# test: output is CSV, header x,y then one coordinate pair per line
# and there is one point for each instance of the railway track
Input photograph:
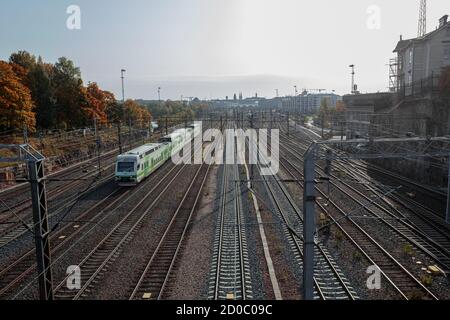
x,y
53,191
108,249
406,284
63,238
70,178
434,241
435,194
156,276
14,273
16,230
95,264
329,281
230,272
16,219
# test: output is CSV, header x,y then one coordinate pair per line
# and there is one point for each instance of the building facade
x,y
309,103
421,60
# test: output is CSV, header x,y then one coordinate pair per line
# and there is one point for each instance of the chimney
x,y
401,37
443,21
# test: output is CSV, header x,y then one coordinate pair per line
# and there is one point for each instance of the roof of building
x,y
403,44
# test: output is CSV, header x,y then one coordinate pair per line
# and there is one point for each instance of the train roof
x,y
142,149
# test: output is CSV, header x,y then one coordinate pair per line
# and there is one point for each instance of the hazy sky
x,y
213,48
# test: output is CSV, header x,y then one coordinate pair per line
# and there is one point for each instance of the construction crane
x,y
422,28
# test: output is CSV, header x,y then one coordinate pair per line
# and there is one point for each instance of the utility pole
x,y
271,119
447,215
287,117
309,198
353,78
159,96
323,124
119,136
167,129
130,132
123,109
123,84
41,230
97,141
251,164
25,134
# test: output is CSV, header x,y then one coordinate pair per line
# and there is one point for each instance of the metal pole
x,y
309,199
119,136
251,164
447,215
159,96
130,132
25,134
97,140
287,123
353,78
123,86
323,124
167,129
41,229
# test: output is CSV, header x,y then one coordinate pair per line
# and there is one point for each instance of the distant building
x,y
248,103
309,103
422,59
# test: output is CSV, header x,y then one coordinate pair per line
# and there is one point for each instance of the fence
x,y
421,88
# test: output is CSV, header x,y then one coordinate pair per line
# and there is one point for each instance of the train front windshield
x,y
125,167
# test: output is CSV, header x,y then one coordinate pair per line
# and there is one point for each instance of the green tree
x,y
71,98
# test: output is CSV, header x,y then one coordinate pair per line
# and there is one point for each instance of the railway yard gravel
x,y
190,280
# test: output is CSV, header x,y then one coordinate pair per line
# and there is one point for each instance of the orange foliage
x,y
98,102
137,113
340,106
16,105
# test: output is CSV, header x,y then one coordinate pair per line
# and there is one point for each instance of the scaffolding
x,y
393,75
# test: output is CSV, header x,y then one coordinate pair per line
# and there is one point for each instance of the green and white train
x,y
134,166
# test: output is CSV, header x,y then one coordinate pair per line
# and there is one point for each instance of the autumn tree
x,y
340,106
24,59
99,102
138,114
37,76
16,105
